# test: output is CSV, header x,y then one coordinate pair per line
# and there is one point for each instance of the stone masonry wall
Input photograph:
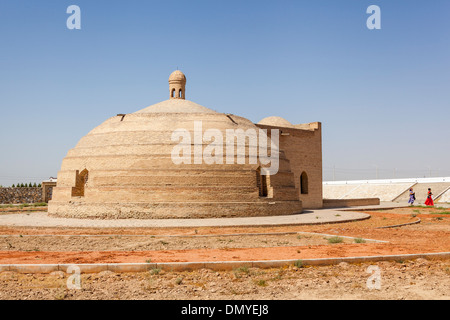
x,y
20,195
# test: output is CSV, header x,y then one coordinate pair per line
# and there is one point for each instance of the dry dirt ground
x,y
146,243
419,279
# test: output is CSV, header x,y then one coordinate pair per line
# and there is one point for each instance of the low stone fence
x,y
20,195
338,203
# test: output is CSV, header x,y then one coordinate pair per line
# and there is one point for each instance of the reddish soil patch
x,y
199,255
431,235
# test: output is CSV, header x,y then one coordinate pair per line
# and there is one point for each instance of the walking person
x,y
429,201
412,196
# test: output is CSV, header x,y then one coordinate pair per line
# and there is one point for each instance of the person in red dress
x,y
429,201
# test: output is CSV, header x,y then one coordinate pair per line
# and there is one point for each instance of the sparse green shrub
x,y
360,240
155,271
40,204
261,283
238,271
243,269
335,239
298,264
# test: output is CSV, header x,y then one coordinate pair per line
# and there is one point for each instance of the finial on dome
x,y
177,85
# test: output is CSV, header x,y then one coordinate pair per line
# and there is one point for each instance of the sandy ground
x,y
417,279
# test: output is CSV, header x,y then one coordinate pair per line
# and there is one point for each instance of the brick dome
x,y
124,169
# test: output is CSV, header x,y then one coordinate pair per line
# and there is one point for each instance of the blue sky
x,y
382,95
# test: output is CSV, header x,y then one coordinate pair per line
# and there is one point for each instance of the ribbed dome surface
x,y
176,106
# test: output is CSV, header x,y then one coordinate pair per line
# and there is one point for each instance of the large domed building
x,y
125,167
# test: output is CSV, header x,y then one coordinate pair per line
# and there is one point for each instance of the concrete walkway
x,y
321,216
382,206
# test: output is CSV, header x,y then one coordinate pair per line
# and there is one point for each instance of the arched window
x,y
180,94
173,93
304,183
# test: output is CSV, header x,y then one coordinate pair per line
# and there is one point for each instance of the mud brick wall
x,y
20,195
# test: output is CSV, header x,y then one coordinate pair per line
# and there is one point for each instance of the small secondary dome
x,y
177,75
276,122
